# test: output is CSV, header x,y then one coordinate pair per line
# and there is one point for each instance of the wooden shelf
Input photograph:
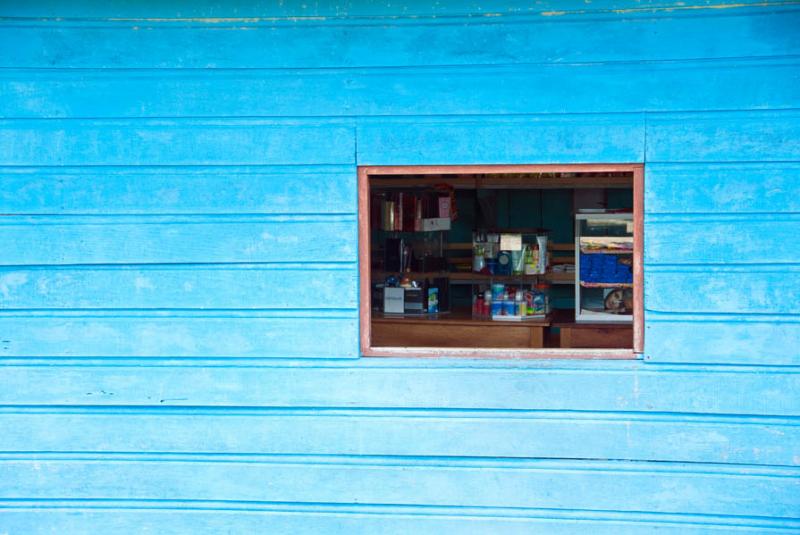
x,y
467,246
498,278
455,318
458,246
606,251
561,277
504,181
607,284
456,330
468,276
412,274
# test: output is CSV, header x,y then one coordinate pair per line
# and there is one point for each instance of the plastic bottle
x,y
544,289
541,267
531,259
508,304
496,305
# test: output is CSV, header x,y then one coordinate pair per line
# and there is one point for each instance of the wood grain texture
x,y
241,286
402,334
744,136
442,90
176,517
716,239
663,488
477,433
564,139
408,383
215,334
209,12
179,241
751,289
735,338
176,240
761,187
368,43
596,337
177,190
90,142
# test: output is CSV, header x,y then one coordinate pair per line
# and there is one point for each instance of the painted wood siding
x,y
178,278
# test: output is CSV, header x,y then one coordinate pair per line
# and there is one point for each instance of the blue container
x,y
497,307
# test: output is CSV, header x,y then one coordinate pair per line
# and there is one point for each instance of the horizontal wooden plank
x,y
121,335
615,486
560,139
720,239
755,340
180,239
460,180
752,136
564,435
366,43
93,142
210,12
177,517
171,190
733,290
411,383
718,188
443,90
276,286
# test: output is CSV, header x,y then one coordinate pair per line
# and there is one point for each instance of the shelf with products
x,y
467,277
551,277
499,181
378,275
409,259
606,251
482,282
604,266
606,284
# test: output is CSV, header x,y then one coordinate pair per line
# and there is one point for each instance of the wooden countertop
x,y
566,318
454,318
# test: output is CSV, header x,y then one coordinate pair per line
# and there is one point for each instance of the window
x,y
516,261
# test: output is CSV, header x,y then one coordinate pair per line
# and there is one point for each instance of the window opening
x,y
517,261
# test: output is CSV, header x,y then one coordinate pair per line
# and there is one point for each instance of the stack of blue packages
x,y
603,267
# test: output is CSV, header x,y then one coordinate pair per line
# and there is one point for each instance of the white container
x,y
541,266
435,223
394,300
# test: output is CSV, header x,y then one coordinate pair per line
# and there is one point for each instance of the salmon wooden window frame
x,y
364,255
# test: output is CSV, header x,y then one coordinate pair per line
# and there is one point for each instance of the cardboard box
x,y
414,301
393,300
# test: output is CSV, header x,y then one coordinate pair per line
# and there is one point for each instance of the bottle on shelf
x,y
543,289
521,306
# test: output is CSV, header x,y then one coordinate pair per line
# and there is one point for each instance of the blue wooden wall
x,y
178,280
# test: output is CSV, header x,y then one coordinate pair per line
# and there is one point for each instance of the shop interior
x,y
525,260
